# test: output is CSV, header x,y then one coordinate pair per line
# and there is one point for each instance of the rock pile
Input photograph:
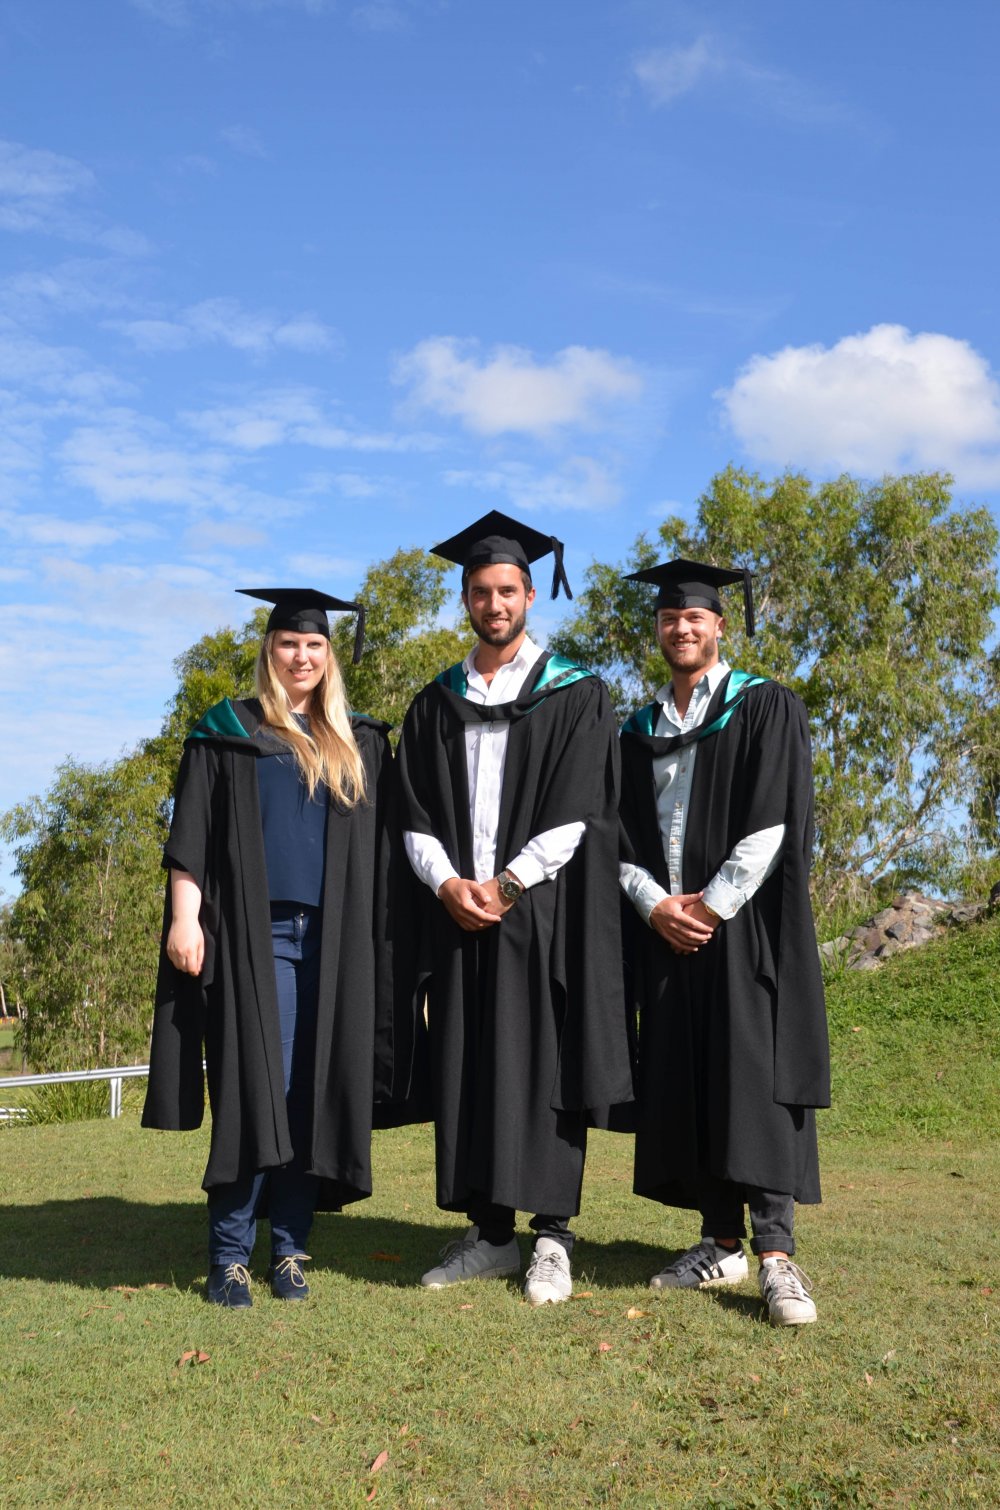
x,y
912,919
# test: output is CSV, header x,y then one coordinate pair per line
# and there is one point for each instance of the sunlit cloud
x,y
511,390
885,400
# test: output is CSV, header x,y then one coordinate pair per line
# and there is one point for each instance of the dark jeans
x,y
772,1214
496,1225
291,1192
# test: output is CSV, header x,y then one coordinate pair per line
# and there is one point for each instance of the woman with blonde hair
x,y
276,951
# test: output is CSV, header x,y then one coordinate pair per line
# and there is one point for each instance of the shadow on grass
x,y
102,1241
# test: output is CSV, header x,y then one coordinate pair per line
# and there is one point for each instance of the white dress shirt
x,y
485,755
753,858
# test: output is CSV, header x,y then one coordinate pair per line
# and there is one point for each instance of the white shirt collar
x,y
704,687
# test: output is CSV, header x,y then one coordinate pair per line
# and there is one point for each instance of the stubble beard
x,y
498,638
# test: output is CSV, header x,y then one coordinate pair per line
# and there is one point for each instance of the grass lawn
x,y
620,1397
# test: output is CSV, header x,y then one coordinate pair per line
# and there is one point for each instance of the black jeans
x,y
496,1225
772,1214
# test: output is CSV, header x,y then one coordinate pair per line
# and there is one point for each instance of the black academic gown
x,y
733,1049
527,1028
366,1037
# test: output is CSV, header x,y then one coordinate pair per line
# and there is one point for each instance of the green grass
x,y
620,1397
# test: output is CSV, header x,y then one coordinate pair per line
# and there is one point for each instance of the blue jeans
x,y
291,1192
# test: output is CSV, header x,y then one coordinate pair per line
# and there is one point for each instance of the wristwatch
x,y
509,886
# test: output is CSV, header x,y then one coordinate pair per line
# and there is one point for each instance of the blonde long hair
x,y
329,752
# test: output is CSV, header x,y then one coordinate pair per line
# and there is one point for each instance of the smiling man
x,y
733,1057
509,768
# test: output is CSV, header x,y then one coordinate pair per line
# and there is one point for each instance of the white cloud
x,y
883,400
295,416
68,534
580,483
668,72
32,175
245,140
331,568
38,192
226,322
511,391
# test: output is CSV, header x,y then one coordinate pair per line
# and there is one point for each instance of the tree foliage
x,y
874,603
83,932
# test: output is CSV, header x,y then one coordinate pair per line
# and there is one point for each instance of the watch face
x,y
509,889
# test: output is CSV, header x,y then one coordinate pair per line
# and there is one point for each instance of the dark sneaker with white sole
x,y
706,1266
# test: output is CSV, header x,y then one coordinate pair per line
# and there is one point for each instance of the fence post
x,y
115,1085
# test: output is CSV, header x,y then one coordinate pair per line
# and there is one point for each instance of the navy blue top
x,y
294,825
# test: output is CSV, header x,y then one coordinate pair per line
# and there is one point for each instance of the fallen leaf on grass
x,y
709,1402
128,1290
404,1429
755,1378
193,1355
317,1419
379,1462
868,1378
604,1347
633,1313
574,1424
986,1290
156,1284
165,1455
583,1295
71,1411
370,1497
592,1312
855,1030
386,1258
467,1307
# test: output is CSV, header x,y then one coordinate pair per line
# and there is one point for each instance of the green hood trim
x,y
557,672
644,721
221,721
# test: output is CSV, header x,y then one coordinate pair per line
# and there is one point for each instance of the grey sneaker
x,y
786,1290
471,1257
706,1266
548,1279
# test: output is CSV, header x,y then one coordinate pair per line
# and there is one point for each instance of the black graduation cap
x,y
497,538
693,584
302,610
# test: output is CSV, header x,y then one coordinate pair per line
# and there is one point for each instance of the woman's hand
x,y
185,940
186,945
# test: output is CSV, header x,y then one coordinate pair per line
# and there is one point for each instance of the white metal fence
x,y
71,1077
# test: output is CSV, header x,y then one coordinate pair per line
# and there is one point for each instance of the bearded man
x,y
717,808
509,772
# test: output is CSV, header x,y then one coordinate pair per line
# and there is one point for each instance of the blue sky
x,y
285,284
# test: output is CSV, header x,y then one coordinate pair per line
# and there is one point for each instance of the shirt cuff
x,y
722,898
649,895
439,871
526,868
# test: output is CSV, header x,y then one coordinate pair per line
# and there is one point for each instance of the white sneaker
x,y
786,1290
706,1266
548,1279
471,1257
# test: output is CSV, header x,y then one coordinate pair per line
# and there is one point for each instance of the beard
x,y
690,657
498,635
